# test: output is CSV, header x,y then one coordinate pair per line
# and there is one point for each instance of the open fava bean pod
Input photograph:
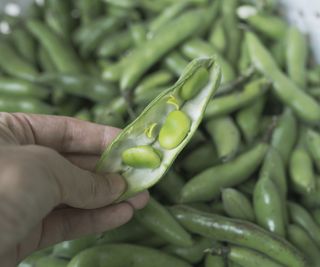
x,y
146,148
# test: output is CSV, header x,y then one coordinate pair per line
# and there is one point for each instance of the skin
x,y
48,192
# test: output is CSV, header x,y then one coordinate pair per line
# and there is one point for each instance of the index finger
x,y
64,134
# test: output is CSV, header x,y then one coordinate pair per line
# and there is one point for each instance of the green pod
x,y
124,255
170,186
171,12
89,10
198,48
216,208
161,113
302,104
233,264
89,36
58,17
278,51
141,157
60,51
78,85
218,37
207,184
247,187
226,137
154,80
115,44
193,254
271,26
312,141
110,114
174,130
233,32
203,206
25,44
146,55
133,231
83,114
298,237
313,75
214,261
34,257
45,62
24,104
193,86
50,261
12,64
225,105
267,203
315,92
316,215
153,241
300,216
22,88
237,205
199,159
244,58
142,100
297,56
175,62
301,171
312,199
112,72
138,32
250,258
157,219
249,119
68,249
240,233
284,136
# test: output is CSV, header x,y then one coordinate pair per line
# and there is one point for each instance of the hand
x,y
48,192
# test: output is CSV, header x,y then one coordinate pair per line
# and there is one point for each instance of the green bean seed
x,y
141,157
174,129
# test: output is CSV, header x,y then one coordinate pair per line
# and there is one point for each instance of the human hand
x,y
48,192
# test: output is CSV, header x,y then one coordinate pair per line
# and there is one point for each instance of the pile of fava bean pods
x,y
228,145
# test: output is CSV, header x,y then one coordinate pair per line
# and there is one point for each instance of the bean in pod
x,y
157,219
124,255
207,184
165,126
241,233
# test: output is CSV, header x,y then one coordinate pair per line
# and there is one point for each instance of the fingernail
x,y
117,184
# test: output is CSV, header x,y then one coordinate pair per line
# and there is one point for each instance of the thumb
x,y
81,188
